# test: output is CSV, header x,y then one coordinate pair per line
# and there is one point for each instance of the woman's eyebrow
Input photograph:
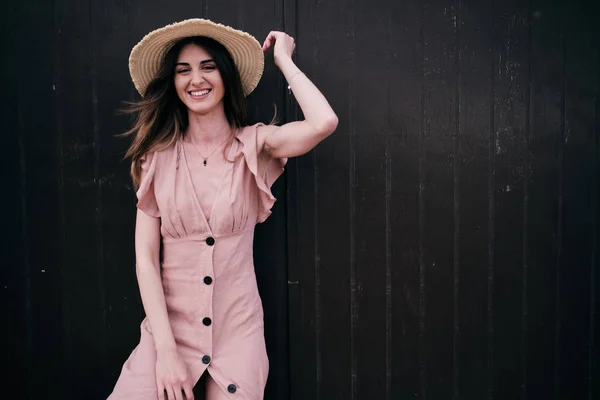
x,y
201,62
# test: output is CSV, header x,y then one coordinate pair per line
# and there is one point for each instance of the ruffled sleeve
x,y
145,193
265,169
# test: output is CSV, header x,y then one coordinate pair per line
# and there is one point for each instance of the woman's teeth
x,y
200,92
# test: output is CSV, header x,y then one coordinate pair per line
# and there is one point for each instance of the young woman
x,y
204,179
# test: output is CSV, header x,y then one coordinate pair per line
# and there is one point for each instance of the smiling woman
x,y
198,82
203,333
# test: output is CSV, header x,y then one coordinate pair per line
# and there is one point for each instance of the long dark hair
x,y
162,117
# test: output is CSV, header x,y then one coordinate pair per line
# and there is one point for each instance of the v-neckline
x,y
196,199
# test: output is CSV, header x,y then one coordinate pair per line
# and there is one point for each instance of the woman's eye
x,y
209,67
183,70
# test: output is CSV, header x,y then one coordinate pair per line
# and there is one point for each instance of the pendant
x,y
205,163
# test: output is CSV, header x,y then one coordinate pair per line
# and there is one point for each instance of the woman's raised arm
x,y
299,137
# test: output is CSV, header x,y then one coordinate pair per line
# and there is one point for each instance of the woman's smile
x,y
199,94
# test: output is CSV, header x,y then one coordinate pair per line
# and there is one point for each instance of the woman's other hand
x,y
172,377
282,43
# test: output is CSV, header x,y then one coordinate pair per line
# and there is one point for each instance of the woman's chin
x,y
204,109
201,109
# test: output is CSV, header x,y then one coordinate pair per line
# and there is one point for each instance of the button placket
x,y
208,272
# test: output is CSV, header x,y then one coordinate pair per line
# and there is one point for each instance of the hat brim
x,y
146,56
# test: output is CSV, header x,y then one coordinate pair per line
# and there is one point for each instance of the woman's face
x,y
198,82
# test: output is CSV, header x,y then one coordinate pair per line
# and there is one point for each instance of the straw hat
x,y
148,54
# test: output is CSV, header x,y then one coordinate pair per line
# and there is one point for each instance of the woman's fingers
x,y
178,391
167,392
272,37
161,392
282,44
269,41
188,391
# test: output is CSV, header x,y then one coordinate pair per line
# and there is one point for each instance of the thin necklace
x,y
205,159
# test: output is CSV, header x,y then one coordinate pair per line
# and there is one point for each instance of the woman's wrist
x,y
166,348
285,64
166,352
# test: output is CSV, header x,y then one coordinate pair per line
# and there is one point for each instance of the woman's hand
x,y
283,45
172,377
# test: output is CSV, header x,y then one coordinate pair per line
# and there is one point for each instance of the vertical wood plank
x,y
294,269
457,16
391,148
580,91
42,225
330,29
560,214
304,268
369,198
491,217
525,204
594,351
82,262
405,123
423,132
15,293
322,214
475,102
438,222
543,202
511,46
352,208
112,41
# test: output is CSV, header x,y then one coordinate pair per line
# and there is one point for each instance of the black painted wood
x,y
580,92
475,226
14,276
42,218
475,132
543,208
510,46
443,243
405,124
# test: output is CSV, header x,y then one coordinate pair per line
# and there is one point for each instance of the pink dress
x,y
207,271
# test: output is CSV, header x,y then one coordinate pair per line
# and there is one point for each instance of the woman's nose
x,y
197,77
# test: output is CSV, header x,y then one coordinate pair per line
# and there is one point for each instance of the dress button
x,y
231,388
210,240
207,321
207,280
206,359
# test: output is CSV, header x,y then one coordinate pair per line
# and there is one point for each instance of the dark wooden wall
x,y
445,240
442,244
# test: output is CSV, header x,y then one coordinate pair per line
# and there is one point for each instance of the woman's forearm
x,y
316,109
153,299
147,251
